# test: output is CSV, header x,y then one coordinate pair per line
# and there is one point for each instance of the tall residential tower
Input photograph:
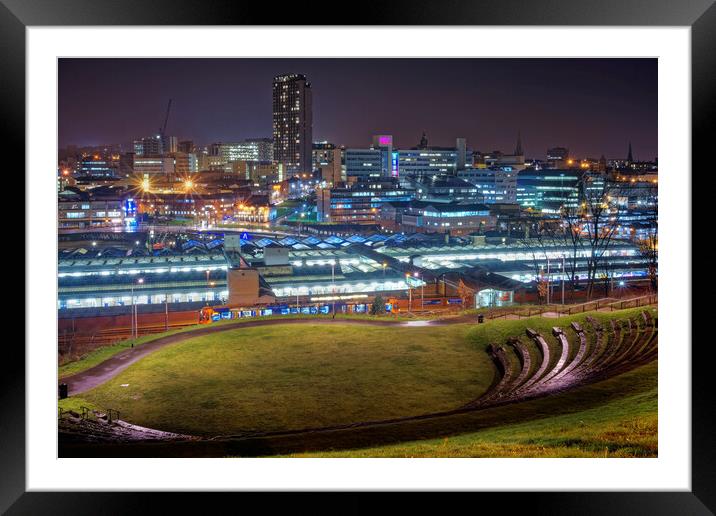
x,y
292,123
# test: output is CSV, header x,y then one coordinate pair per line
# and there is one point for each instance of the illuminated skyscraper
x,y
292,123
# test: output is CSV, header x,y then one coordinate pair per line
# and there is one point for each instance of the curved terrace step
x,y
545,359
566,373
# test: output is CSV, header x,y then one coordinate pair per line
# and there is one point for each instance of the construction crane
x,y
163,128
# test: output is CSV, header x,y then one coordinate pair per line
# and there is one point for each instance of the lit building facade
x,y
444,188
293,123
152,146
74,213
364,164
359,203
427,162
453,218
185,164
153,165
495,184
97,166
547,191
260,149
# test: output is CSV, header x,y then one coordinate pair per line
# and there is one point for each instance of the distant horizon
x,y
593,107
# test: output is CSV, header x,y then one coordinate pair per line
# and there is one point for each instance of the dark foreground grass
x,y
622,426
288,377
613,418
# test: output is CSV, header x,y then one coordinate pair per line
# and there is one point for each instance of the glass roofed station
x,y
199,269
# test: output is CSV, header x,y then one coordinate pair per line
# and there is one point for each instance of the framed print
x,y
407,250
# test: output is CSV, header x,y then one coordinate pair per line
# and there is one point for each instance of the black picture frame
x,y
700,15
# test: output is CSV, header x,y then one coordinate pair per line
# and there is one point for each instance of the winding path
x,y
97,375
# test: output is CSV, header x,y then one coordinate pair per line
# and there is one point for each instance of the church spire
x,y
423,142
518,149
630,158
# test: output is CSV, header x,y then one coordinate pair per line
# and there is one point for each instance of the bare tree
x,y
571,216
539,240
649,248
600,219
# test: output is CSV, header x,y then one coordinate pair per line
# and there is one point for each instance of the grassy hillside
x,y
288,377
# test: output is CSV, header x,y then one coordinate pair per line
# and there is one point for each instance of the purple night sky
x,y
591,106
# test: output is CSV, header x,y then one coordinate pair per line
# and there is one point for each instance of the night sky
x,y
591,106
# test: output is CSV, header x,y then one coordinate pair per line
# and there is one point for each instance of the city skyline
x,y
575,103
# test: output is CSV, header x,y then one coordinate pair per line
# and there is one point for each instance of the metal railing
x,y
112,335
598,304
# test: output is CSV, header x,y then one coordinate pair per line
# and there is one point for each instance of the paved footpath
x,y
97,375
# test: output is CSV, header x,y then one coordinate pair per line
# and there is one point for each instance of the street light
x,y
422,291
564,278
333,285
410,293
208,285
135,319
549,285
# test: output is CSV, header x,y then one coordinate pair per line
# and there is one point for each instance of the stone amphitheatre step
x,y
640,336
545,359
598,347
561,337
579,357
102,430
505,372
523,354
630,339
614,342
604,352
645,344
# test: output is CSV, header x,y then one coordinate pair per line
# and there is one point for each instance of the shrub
x,y
378,306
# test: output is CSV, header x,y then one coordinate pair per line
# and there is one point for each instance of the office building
x,y
98,166
358,203
148,147
209,162
384,143
426,162
170,144
187,147
84,210
364,164
494,184
461,147
258,149
327,159
547,191
454,218
444,188
185,164
153,165
557,157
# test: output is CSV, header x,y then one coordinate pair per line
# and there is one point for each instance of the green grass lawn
x,y
290,377
103,353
